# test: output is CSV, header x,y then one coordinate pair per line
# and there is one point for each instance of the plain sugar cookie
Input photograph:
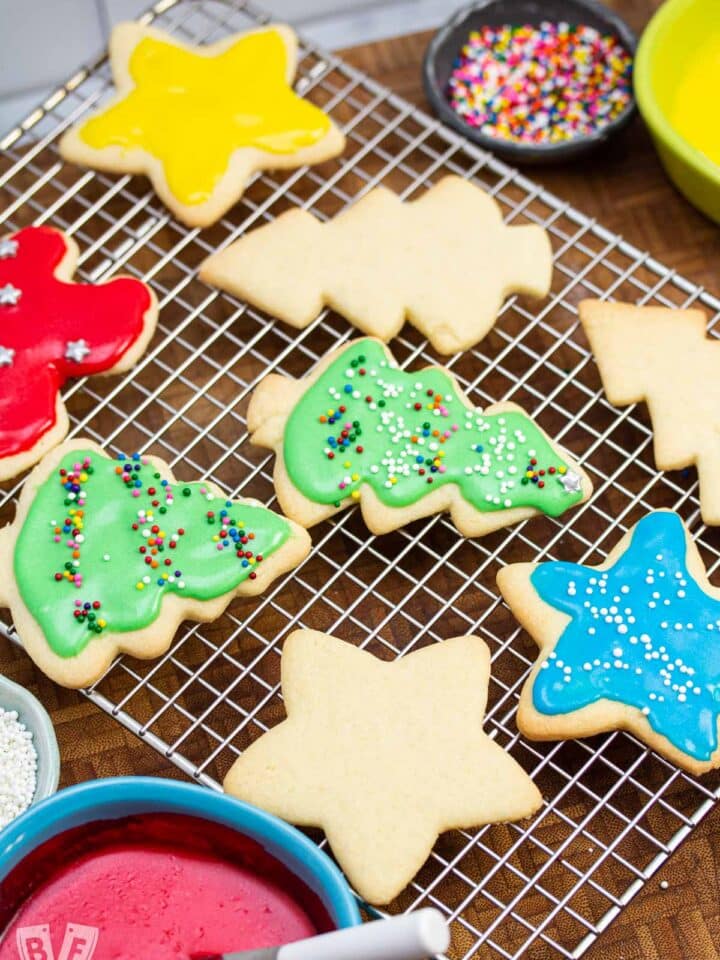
x,y
51,329
383,756
632,644
111,555
445,262
405,445
663,356
200,120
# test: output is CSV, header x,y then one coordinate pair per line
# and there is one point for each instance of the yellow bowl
x,y
667,48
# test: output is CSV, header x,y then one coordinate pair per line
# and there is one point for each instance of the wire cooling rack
x,y
614,810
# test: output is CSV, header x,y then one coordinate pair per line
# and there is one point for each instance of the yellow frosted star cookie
x,y
383,756
200,120
111,555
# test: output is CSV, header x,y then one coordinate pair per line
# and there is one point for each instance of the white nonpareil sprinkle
x,y
18,766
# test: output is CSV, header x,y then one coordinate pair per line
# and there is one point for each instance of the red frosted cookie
x,y
52,329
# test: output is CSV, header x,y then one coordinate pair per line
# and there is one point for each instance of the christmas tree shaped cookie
x,y
631,644
445,262
405,445
52,329
199,121
111,555
383,756
663,356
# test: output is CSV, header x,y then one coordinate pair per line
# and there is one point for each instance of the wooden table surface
x,y
677,915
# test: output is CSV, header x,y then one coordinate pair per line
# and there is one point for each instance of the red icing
x,y
49,313
157,886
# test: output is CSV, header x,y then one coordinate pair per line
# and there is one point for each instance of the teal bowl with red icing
x,y
269,877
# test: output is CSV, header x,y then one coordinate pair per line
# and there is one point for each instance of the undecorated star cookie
x,y
445,262
632,644
108,555
383,756
199,121
662,356
405,445
52,328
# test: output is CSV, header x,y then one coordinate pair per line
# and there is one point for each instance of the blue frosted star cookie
x,y
632,644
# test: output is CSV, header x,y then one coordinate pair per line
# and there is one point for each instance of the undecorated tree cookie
x,y
631,644
663,356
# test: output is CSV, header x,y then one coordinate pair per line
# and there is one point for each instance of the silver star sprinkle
x,y
571,482
76,350
8,248
7,355
9,295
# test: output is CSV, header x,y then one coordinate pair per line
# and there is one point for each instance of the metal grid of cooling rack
x,y
614,810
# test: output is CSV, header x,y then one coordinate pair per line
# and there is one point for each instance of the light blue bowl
x,y
35,717
127,796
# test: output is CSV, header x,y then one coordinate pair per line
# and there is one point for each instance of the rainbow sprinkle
x,y
141,478
542,84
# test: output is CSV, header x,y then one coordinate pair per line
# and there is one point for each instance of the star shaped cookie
x,y
200,120
383,756
631,644
663,356
445,262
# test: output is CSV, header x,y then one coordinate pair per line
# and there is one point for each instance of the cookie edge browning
x,y
149,642
12,466
267,419
545,625
244,161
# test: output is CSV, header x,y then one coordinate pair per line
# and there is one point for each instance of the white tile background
x,y
42,42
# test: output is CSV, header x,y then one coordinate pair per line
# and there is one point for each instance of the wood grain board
x,y
677,915
626,190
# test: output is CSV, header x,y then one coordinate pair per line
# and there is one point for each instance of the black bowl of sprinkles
x,y
534,81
